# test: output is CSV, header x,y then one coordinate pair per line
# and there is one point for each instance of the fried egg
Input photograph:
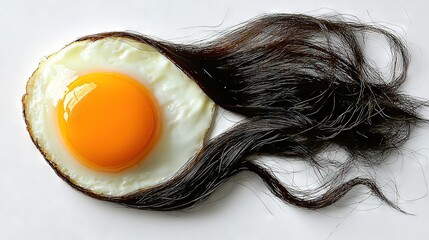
x,y
114,115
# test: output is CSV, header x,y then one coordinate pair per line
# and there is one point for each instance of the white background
x,y
36,204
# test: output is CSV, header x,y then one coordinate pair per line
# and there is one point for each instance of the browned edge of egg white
x,y
115,199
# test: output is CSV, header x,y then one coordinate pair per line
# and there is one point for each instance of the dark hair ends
x,y
303,85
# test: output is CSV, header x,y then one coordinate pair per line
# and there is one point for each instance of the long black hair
x,y
303,84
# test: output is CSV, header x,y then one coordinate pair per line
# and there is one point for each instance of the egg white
x,y
186,111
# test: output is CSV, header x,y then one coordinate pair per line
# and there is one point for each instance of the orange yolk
x,y
108,120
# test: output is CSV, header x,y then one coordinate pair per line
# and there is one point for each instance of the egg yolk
x,y
108,120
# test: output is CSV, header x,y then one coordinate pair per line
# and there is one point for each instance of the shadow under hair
x,y
303,84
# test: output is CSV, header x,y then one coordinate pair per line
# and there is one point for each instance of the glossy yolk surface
x,y
108,120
